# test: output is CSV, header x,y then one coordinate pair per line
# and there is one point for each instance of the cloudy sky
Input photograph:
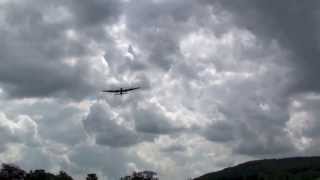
x,y
223,82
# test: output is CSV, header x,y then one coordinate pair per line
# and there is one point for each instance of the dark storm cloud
x,y
265,141
257,144
97,12
247,116
220,132
35,50
293,23
157,28
253,118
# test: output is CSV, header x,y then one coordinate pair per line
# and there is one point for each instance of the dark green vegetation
x,y
10,172
13,172
307,168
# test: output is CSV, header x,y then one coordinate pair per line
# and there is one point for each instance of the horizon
x,y
222,82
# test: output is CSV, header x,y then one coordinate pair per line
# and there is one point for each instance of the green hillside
x,y
299,168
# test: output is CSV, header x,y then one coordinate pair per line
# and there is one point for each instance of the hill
x,y
298,168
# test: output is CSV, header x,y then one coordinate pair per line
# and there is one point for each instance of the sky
x,y
222,82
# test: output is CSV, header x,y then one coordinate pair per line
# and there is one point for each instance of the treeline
x,y
274,169
262,176
13,172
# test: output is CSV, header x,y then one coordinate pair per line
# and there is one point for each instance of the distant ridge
x,y
296,168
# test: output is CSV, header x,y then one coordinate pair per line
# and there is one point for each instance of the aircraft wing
x,y
130,89
111,91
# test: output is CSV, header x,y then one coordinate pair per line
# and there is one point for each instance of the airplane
x,y
121,91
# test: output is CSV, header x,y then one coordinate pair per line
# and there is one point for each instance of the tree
x,y
63,176
92,177
11,172
40,174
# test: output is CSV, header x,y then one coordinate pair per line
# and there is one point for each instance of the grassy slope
x,y
288,167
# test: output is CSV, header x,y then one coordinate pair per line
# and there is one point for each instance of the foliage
x,y
282,169
13,172
92,177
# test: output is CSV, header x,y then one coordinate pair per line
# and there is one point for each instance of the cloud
x,y
20,130
41,58
254,123
110,163
292,24
97,12
220,132
303,124
154,122
159,34
104,126
221,82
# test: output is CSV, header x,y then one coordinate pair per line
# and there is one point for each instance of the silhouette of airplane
x,y
121,91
